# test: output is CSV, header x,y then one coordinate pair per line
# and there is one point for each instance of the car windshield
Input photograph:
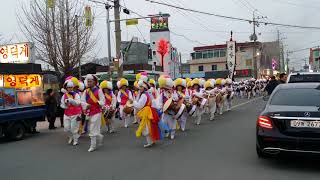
x,y
304,78
296,97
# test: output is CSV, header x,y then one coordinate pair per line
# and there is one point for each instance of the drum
x,y
181,110
128,108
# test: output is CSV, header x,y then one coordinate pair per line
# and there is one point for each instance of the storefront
x,y
20,89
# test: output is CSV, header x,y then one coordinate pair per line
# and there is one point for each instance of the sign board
x,y
243,73
22,81
130,22
231,57
160,23
16,53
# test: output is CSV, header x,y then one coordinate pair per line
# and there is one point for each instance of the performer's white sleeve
x,y
76,101
114,101
102,99
130,95
62,103
142,101
84,103
160,101
119,97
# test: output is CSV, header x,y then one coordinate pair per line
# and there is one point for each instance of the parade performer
x,y
84,124
197,98
153,89
70,102
110,105
221,97
183,96
92,102
211,96
230,93
135,97
124,96
148,126
166,85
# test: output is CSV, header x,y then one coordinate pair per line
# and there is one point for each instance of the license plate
x,y
305,124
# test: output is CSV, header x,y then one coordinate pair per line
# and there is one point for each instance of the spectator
x,y
52,105
273,83
283,78
60,111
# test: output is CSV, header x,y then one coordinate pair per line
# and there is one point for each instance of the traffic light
x,y
126,11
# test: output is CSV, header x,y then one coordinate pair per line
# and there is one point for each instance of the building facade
x,y
314,59
213,59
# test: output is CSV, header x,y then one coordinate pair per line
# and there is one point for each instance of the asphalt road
x,y
223,149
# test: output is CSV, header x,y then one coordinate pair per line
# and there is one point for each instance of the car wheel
x,y
17,132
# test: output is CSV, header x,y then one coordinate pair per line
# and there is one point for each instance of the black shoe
x,y
35,132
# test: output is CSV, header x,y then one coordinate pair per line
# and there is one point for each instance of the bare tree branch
x,y
54,32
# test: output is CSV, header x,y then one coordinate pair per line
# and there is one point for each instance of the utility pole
x,y
180,61
118,36
78,45
108,7
254,38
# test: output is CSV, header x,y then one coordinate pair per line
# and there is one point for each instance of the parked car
x,y
290,121
303,77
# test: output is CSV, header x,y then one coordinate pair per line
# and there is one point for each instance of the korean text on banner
x,y
15,53
22,81
231,57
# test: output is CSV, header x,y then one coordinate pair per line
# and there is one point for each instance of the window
x,y
222,53
210,54
205,55
249,62
214,67
296,97
154,53
200,68
198,55
216,53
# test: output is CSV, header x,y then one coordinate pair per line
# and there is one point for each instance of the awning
x,y
8,68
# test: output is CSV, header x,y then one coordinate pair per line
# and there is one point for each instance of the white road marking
x,y
238,105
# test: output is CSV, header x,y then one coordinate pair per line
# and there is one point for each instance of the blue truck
x,y
21,99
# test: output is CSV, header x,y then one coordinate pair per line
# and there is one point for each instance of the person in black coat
x,y
273,83
52,104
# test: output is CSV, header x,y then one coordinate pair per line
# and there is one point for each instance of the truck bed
x,y
22,113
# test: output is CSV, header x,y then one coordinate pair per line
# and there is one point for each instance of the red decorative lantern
x,y
163,47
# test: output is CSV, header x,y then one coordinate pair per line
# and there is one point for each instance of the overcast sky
x,y
201,29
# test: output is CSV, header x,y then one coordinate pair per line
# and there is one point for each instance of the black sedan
x,y
290,121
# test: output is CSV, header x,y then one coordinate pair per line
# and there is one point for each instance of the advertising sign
x,y
160,23
15,53
22,81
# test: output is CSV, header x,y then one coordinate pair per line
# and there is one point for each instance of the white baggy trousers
x,y
95,129
71,126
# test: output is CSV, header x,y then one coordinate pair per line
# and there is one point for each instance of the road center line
x,y
238,105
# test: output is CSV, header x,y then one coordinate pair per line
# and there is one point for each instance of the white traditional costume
x,y
110,105
70,102
123,97
92,102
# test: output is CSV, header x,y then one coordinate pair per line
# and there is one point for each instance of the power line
x,y
234,18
